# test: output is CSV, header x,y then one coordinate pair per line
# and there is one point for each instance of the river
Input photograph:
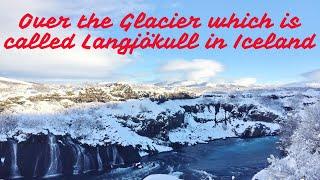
x,y
219,159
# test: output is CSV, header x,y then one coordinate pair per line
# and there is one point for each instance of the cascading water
x,y
14,169
86,161
117,159
36,168
46,156
55,168
2,160
82,162
76,151
99,160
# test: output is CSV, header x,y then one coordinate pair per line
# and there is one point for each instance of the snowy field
x,y
154,119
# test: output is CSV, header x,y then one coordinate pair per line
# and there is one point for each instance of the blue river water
x,y
220,159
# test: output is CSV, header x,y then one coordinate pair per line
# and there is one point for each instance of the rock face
x,y
224,111
160,126
258,130
44,156
219,113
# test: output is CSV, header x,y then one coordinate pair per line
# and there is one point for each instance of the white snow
x,y
100,123
14,81
161,177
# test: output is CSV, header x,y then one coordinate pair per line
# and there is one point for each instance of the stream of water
x,y
220,159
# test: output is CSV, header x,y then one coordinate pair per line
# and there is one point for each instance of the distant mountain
x,y
307,84
7,81
204,87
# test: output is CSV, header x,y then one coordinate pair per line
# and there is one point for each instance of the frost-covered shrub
x,y
307,135
288,127
303,146
92,95
4,105
46,97
161,98
10,102
7,124
123,91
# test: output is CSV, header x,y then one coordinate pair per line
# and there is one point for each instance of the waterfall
x,y
77,165
99,160
54,159
117,159
36,168
14,169
86,161
83,163
47,157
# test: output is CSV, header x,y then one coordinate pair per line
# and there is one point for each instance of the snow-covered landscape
x,y
108,125
159,90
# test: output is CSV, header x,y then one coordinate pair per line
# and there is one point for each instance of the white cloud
x,y
245,81
199,70
77,63
312,75
74,63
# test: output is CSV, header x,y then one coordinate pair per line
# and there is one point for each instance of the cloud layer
x,y
312,75
199,70
75,63
245,82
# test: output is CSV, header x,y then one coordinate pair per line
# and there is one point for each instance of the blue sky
x,y
266,66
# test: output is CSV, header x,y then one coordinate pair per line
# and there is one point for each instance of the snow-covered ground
x,y
161,177
100,123
4,81
118,121
149,118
